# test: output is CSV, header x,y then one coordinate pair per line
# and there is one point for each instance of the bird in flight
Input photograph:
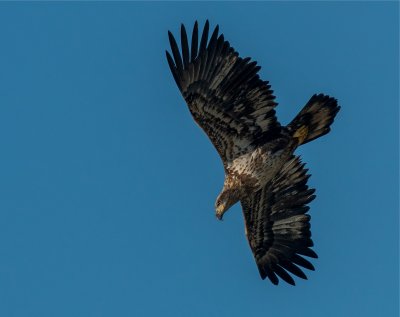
x,y
235,108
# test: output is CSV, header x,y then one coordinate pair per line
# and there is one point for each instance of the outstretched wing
x,y
224,93
277,226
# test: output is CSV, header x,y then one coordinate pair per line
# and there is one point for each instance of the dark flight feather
x,y
204,39
195,36
185,47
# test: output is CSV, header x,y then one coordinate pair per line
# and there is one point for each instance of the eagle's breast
x,y
257,168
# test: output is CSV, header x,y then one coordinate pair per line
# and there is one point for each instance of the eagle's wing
x,y
277,225
224,93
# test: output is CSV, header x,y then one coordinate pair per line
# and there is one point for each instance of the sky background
x,y
107,186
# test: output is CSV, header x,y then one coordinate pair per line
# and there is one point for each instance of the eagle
x,y
235,108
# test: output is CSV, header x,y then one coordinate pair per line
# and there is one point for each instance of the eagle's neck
x,y
231,193
234,186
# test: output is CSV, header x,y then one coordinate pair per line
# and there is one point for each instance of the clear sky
x,y
107,186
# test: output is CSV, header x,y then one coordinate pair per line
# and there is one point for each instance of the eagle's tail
x,y
315,119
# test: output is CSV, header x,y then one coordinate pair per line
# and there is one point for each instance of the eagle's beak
x,y
220,211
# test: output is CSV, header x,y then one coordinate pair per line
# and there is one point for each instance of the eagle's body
x,y
261,164
252,171
235,108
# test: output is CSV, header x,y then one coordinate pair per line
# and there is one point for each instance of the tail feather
x,y
315,119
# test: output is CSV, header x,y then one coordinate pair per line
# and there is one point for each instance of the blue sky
x,y
107,186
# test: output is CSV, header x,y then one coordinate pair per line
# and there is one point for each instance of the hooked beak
x,y
220,211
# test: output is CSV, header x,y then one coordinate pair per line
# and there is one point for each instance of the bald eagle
x,y
235,108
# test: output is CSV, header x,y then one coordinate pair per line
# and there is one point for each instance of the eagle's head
x,y
225,200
